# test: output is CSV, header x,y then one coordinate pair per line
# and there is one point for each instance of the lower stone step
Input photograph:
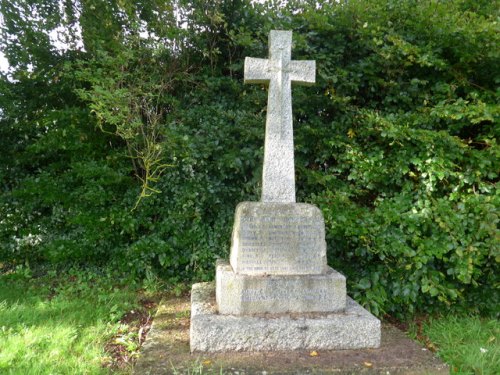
x,y
355,328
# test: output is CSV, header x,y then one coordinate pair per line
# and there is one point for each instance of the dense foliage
x,y
132,139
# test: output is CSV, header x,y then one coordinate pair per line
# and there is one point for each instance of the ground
x,y
167,351
95,321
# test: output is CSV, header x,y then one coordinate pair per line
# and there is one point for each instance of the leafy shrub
x,y
397,142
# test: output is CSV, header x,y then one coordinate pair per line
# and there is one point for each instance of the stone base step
x,y
245,294
355,328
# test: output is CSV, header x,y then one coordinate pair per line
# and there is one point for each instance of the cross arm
x,y
256,70
303,71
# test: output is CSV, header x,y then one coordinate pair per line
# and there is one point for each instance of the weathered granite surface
x,y
243,294
278,239
278,292
212,332
278,176
166,351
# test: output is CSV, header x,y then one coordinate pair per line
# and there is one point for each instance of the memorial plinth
x,y
277,292
278,239
278,301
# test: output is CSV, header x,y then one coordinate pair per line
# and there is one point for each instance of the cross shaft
x,y
278,176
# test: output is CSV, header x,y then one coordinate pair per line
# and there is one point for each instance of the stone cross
x,y
278,176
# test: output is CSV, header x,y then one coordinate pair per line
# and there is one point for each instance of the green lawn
x,y
469,344
63,322
60,323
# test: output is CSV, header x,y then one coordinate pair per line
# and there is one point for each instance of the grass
x,y
74,322
469,344
60,323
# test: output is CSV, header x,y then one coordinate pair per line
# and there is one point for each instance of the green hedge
x,y
137,150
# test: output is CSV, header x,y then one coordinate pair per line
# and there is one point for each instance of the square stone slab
x,y
211,332
248,294
278,239
166,351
